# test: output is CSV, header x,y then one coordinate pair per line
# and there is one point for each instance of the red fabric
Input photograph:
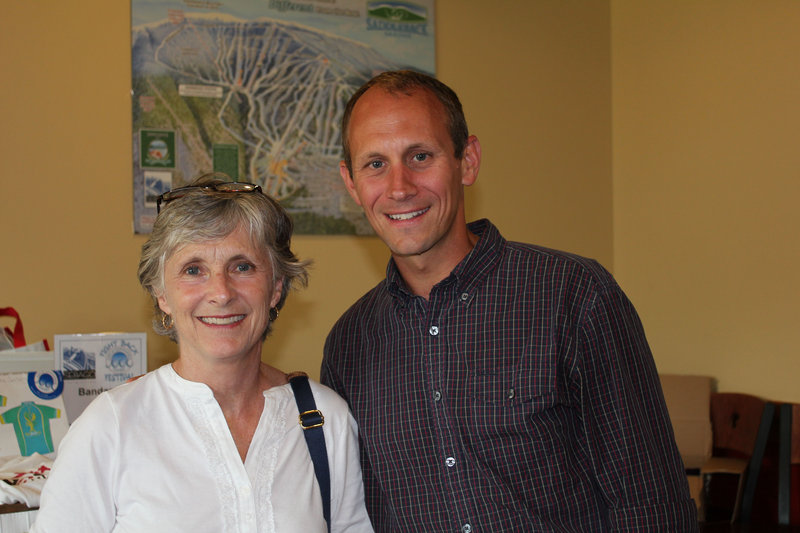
x,y
18,335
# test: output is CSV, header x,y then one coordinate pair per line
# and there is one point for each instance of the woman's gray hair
x,y
204,215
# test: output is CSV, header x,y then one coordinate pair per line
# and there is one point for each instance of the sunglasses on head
x,y
180,192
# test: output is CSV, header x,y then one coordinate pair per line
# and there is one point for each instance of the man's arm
x,y
635,459
381,519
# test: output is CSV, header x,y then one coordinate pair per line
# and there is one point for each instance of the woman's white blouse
x,y
157,455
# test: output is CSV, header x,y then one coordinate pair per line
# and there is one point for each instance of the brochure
x,y
93,363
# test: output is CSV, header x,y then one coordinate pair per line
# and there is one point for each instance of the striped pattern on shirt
x,y
522,396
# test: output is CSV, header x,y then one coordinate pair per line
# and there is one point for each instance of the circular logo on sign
x,y
46,385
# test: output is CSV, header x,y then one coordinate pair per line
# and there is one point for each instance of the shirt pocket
x,y
504,388
501,402
516,428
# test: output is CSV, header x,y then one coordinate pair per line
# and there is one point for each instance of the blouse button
x,y
434,330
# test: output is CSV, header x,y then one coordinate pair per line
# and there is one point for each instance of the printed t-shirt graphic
x,y
32,425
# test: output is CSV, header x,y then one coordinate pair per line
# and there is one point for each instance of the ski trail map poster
x,y
257,89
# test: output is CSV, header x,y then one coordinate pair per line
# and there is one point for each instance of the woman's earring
x,y
166,321
273,314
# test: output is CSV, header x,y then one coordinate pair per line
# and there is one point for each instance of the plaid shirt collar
x,y
470,272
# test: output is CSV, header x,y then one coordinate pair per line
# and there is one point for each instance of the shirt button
x,y
437,396
434,330
450,462
464,298
510,393
466,528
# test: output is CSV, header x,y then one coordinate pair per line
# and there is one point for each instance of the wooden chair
x,y
718,433
688,398
740,425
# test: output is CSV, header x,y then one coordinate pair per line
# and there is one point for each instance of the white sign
x,y
95,363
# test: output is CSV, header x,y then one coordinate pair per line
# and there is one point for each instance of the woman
x,y
212,441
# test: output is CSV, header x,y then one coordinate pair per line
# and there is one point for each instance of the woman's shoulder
x,y
142,385
325,397
127,397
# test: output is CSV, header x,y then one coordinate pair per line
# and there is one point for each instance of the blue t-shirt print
x,y
31,423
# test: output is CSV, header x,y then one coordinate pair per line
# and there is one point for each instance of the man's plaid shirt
x,y
522,396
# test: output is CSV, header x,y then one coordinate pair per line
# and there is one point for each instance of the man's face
x,y
405,175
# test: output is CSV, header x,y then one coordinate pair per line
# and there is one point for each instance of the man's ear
x,y
349,184
471,161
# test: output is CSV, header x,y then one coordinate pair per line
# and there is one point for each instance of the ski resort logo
x,y
397,18
158,148
77,363
120,357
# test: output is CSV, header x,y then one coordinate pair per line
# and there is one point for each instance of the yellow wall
x,y
702,117
70,256
706,116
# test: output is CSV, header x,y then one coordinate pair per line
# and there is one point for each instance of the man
x,y
498,386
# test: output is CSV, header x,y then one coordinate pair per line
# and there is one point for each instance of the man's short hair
x,y
406,82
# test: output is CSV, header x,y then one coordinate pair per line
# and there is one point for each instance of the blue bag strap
x,y
311,420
